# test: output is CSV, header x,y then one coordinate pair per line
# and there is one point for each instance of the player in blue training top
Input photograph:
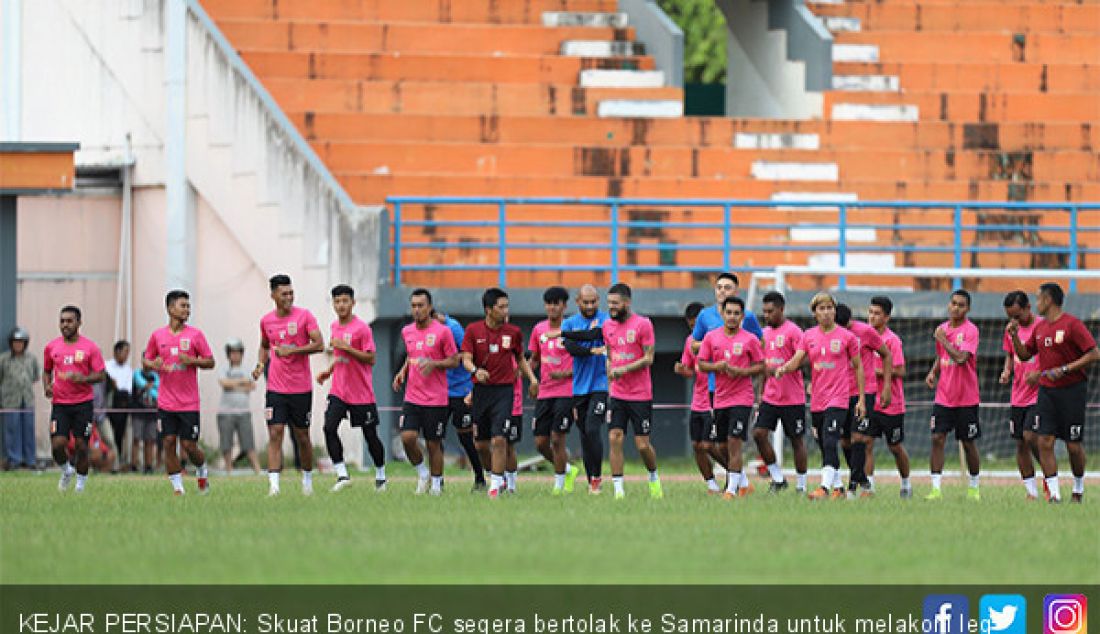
x,y
589,378
459,386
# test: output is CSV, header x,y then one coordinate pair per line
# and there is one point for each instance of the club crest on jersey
x,y
959,338
79,356
738,348
347,337
494,348
779,339
630,336
292,328
185,344
1059,336
506,341
430,340
173,351
1047,341
834,345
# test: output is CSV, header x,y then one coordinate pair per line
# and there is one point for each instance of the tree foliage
x,y
704,29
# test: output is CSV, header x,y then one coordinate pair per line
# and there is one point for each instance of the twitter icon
x,y
1003,614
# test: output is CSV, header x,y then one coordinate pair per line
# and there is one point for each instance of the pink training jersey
x,y
179,383
869,343
700,390
1023,395
780,345
517,398
352,380
958,384
626,343
435,343
739,350
553,357
63,359
830,356
290,374
897,384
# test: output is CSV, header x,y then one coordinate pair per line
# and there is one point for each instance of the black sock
x,y
374,445
857,461
467,442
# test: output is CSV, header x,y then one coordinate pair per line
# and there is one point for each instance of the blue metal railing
x,y
1051,236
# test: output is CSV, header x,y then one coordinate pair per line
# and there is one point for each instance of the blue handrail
x,y
724,245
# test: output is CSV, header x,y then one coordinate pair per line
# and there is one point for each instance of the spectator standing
x,y
120,387
19,371
234,415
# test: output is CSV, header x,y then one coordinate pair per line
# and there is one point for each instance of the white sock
x,y
871,482
68,469
201,472
618,482
273,479
341,470
828,476
937,480
177,481
307,478
712,485
974,481
775,472
422,471
496,482
1029,484
1079,484
801,481
380,473
569,468
653,476
510,479
733,481
905,486
838,480
559,480
80,480
744,480
437,483
1055,490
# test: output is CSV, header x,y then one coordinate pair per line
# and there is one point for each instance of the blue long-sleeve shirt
x,y
589,371
459,381
709,319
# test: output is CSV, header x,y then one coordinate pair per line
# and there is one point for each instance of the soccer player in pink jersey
x,y
954,377
288,335
352,395
889,420
630,347
430,351
734,356
701,428
71,363
1023,420
176,352
554,407
854,435
832,352
784,398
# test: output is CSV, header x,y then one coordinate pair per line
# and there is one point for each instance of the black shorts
x,y
458,412
492,410
553,415
639,414
830,421
890,426
1023,419
513,433
699,426
591,409
430,422
734,421
182,425
1062,411
850,423
962,420
361,415
792,416
72,418
288,409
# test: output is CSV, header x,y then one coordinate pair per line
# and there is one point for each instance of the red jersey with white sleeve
x,y
65,359
289,374
179,383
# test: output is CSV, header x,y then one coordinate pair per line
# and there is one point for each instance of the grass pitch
x,y
132,530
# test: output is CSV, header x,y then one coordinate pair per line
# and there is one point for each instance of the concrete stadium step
x,y
693,131
838,23
640,108
601,48
510,12
921,46
528,69
795,171
950,76
361,37
580,18
979,107
855,53
851,111
866,83
776,141
378,97
621,77
976,16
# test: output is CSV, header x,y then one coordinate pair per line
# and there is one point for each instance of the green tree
x,y
704,29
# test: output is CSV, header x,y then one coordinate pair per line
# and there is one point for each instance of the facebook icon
x,y
946,614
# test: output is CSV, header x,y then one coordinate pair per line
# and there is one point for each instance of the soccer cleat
x,y
421,486
1032,498
379,486
746,491
820,493
341,484
494,494
556,492
571,478
307,488
595,486
435,492
65,481
866,493
778,487
1054,500
1077,498
714,492
1046,489
273,492
204,486
906,494
619,495
972,493
177,492
935,494
729,496
839,494
655,490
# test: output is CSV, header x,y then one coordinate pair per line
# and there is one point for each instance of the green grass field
x,y
131,530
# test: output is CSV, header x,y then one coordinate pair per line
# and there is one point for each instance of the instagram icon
x,y
1065,614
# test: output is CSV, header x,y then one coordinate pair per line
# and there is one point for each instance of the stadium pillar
x,y
180,218
8,280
